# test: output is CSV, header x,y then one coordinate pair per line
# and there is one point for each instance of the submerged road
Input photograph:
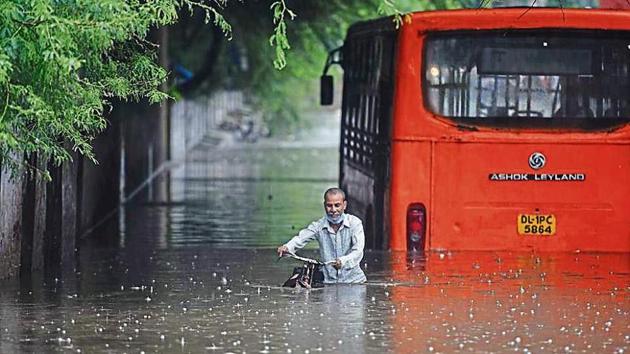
x,y
197,272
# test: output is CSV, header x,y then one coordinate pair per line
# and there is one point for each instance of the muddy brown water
x,y
196,272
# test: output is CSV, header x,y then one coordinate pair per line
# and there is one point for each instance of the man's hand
x,y
337,264
282,250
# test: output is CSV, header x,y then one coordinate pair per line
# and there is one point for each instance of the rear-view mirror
x,y
326,90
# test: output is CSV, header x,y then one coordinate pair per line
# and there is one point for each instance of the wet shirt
x,y
346,245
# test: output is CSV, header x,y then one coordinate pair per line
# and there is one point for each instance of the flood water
x,y
197,272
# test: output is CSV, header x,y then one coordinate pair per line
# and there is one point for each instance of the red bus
x,y
488,129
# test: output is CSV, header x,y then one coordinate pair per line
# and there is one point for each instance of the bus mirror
x,y
326,90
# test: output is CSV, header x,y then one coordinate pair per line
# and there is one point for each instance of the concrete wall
x,y
10,222
70,208
143,148
100,192
192,120
39,220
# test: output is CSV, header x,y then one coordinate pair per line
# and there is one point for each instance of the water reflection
x,y
245,197
206,298
512,302
329,319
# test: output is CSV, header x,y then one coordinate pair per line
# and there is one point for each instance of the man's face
x,y
334,205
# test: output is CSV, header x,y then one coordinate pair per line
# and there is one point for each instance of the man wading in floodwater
x,y
340,238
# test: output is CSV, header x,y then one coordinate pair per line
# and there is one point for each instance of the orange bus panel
x,y
449,168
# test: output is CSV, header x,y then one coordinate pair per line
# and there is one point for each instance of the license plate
x,y
536,224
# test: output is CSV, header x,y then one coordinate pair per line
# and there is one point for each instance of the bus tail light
x,y
416,227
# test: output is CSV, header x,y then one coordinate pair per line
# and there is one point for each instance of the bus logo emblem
x,y
537,160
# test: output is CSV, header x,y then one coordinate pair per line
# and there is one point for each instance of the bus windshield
x,y
529,76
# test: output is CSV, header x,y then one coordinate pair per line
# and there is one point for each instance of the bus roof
x,y
501,18
521,18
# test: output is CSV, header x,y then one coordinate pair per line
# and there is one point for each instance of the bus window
x,y
529,77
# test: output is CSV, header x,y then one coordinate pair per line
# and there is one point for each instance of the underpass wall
x,y
42,222
100,192
10,222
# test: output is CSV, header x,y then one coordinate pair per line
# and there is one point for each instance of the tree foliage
x,y
313,29
61,62
284,45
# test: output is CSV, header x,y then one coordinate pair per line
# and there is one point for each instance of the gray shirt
x,y
346,245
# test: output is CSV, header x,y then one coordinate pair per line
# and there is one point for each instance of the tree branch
x,y
211,58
